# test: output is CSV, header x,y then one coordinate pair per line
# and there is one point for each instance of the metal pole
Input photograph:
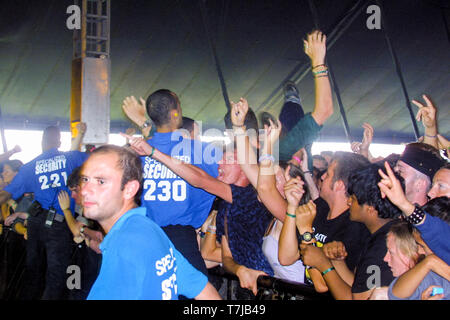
x,y
214,53
2,130
333,80
396,63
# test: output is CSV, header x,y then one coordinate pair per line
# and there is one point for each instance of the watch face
x,y
307,236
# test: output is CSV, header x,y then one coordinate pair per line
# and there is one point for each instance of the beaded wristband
x,y
319,72
319,65
267,157
417,216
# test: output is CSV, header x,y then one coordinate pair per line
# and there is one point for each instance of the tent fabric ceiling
x,y
162,44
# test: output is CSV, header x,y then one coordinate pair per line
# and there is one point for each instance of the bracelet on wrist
x,y
151,153
297,159
291,215
266,157
319,65
328,270
416,217
325,71
427,135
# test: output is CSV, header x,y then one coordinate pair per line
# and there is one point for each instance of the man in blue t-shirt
x,y
49,238
139,262
171,202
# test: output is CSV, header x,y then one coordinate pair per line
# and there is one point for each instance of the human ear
x,y
131,188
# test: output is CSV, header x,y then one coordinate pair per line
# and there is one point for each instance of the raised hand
x,y
367,137
426,113
135,110
64,200
315,47
17,148
272,132
138,144
239,112
356,147
305,215
81,127
293,190
391,187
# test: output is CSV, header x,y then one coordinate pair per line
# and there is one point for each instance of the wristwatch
x,y
307,236
146,124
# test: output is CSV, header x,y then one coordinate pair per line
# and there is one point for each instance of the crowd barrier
x,y
269,288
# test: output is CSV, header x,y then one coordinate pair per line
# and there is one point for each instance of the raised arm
x,y
266,186
136,112
315,47
288,252
64,203
192,174
9,153
427,114
78,140
246,156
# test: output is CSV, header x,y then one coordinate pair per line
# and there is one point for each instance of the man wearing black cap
x,y
417,165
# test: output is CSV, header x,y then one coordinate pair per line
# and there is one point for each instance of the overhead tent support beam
x,y
214,53
384,27
301,70
333,79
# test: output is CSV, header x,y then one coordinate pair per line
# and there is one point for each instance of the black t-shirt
x,y
354,235
371,270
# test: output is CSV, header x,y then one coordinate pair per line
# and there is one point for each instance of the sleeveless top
x,y
247,220
294,272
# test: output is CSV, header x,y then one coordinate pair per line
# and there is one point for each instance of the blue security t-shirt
x,y
170,200
139,262
46,176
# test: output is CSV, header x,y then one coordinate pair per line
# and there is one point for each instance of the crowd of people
x,y
150,219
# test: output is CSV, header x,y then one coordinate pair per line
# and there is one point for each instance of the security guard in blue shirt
x,y
171,202
49,238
